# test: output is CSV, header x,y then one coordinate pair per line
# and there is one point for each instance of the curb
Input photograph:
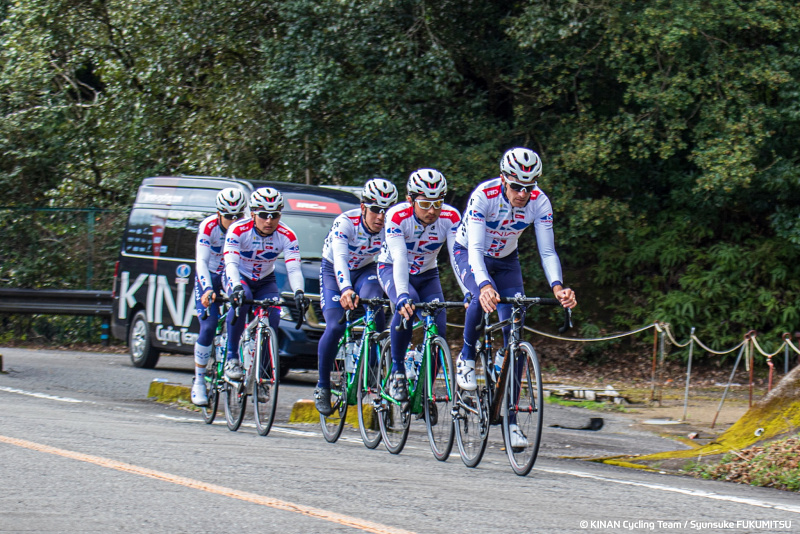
x,y
164,391
303,410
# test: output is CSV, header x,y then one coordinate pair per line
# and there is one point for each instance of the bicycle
x,y
432,400
216,363
352,383
262,370
498,400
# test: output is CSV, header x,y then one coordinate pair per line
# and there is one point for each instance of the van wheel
x,y
143,354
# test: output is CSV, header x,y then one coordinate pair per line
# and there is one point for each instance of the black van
x,y
153,292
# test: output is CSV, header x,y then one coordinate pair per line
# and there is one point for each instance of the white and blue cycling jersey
x,y
208,255
412,246
350,246
491,227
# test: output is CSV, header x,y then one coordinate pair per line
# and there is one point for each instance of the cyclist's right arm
x,y
203,254
232,255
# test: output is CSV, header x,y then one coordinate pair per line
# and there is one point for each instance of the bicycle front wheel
x,y
267,378
212,392
369,393
235,404
439,399
472,417
523,398
333,424
394,417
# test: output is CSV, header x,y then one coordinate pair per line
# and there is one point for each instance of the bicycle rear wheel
x,y
438,402
523,399
267,378
235,404
394,417
212,392
369,393
333,424
472,419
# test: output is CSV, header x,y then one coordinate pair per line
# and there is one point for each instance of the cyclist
x,y
251,248
407,267
208,283
487,263
348,271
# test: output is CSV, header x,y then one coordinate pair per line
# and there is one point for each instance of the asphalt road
x,y
82,449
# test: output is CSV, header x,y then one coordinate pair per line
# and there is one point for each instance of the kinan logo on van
x,y
183,271
159,294
314,206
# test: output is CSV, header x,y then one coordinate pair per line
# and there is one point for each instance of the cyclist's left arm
x,y
291,256
545,240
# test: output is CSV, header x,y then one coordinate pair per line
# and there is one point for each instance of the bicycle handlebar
x,y
530,301
218,299
274,302
429,307
374,302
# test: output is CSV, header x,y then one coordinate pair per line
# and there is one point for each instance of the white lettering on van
x,y
126,292
165,296
181,311
168,335
151,298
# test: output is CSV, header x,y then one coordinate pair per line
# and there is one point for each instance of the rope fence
x,y
747,348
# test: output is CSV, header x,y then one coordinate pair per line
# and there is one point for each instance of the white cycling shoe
x,y
465,374
199,395
518,439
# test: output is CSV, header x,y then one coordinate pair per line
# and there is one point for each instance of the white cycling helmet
x,y
380,192
522,165
429,183
230,201
266,199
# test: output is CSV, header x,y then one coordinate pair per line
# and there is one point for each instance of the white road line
x,y
672,489
38,395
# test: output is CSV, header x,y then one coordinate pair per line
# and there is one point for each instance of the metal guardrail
x,y
56,301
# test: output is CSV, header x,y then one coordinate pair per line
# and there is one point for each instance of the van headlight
x,y
285,313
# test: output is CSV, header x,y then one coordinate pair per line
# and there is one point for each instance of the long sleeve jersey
x,y
350,246
492,227
413,247
251,256
208,251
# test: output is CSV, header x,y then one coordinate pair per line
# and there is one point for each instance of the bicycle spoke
x,y
438,402
522,426
368,395
265,384
333,424
472,416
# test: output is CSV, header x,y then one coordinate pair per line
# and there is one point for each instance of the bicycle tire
x,y
438,402
394,418
524,377
212,392
369,394
333,424
235,404
267,379
473,417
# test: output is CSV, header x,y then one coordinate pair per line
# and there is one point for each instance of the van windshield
x,y
311,231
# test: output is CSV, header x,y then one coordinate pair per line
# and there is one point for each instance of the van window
x,y
176,196
310,231
164,233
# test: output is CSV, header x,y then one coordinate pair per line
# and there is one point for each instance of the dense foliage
x,y
668,128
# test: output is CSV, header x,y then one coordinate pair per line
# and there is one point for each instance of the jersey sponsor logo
x,y
492,192
547,219
315,206
400,216
452,215
284,230
535,194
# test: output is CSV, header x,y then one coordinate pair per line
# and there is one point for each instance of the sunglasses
x,y
233,216
374,208
269,215
428,204
516,186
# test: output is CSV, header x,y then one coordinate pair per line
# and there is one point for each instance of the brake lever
x,y
567,321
